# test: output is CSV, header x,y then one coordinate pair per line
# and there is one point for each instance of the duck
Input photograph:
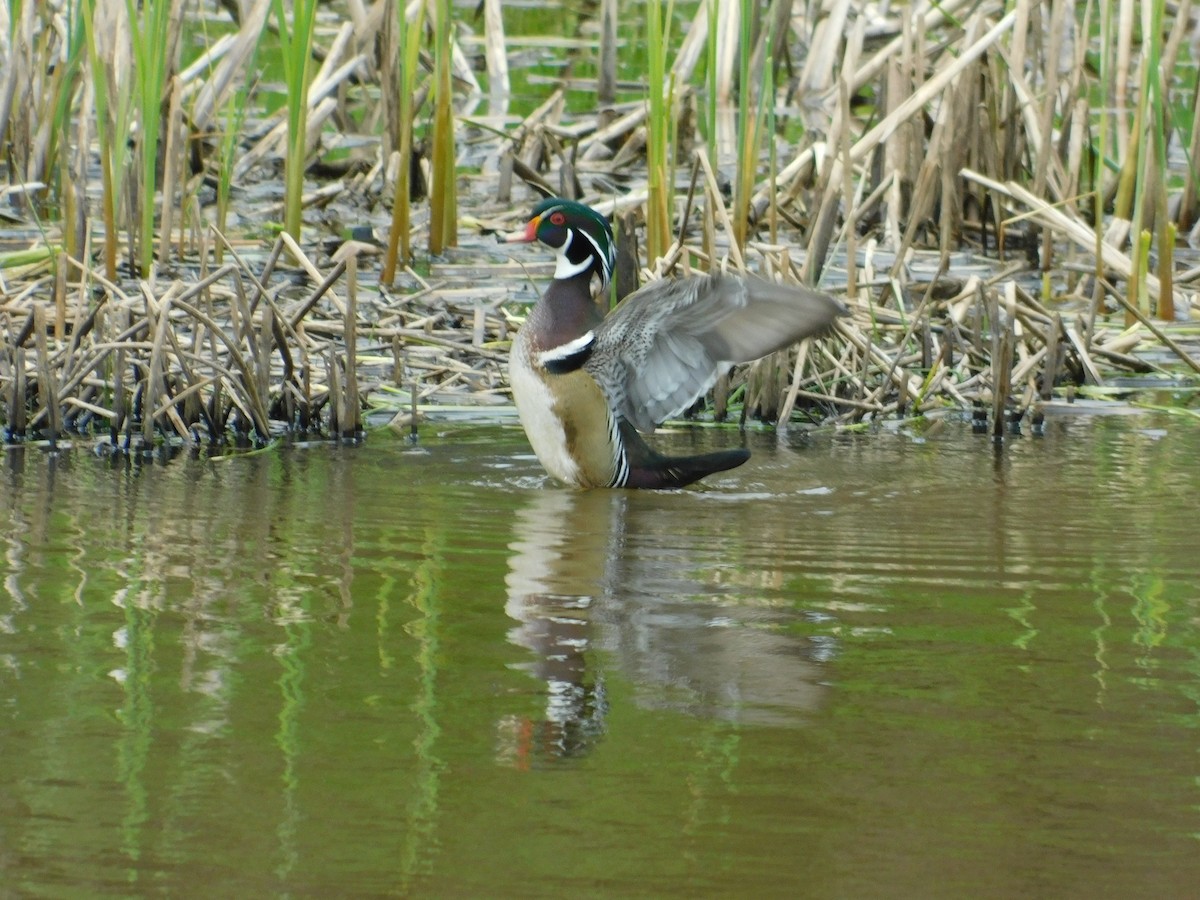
x,y
587,385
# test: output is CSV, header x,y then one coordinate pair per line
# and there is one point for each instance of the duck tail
x,y
650,469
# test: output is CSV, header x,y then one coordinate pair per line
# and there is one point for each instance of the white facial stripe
x,y
567,350
606,263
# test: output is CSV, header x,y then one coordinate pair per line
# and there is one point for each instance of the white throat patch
x,y
563,267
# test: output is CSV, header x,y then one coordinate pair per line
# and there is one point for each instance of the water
x,y
862,665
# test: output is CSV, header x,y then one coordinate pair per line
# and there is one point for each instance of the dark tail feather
x,y
650,469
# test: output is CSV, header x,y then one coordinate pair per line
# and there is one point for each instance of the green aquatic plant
x,y
752,106
407,47
660,123
295,39
113,103
153,60
443,195
1141,187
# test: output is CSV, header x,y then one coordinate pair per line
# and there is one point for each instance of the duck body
x,y
586,384
564,412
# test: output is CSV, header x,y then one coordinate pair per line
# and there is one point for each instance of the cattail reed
x,y
406,47
660,117
443,215
296,46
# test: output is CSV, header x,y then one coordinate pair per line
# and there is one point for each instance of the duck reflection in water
x,y
606,580
555,577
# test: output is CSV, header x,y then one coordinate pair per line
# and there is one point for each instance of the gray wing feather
x,y
665,345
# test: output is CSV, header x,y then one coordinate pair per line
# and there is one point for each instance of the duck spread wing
x,y
665,345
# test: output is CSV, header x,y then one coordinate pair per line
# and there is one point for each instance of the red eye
x,y
557,218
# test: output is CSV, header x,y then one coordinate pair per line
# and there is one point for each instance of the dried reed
x,y
886,155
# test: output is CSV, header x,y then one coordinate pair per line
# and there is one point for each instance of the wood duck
x,y
586,384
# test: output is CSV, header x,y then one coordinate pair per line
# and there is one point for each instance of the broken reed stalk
x,y
169,387
46,381
1189,206
496,53
606,81
1002,328
351,424
1158,332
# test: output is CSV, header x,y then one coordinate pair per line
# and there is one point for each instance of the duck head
x,y
579,236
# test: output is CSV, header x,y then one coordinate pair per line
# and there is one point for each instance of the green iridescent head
x,y
580,236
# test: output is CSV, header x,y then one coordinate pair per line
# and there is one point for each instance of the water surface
x,y
895,664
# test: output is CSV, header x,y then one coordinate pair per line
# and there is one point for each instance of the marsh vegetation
x,y
231,221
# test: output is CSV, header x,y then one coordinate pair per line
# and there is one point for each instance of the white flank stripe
x,y
621,474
